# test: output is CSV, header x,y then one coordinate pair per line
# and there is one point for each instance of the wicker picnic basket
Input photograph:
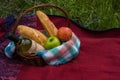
x,y
34,59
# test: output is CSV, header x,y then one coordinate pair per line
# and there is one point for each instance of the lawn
x,y
92,14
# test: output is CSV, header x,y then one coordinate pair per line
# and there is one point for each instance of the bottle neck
x,y
13,37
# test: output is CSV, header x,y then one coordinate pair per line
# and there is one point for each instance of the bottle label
x,y
35,47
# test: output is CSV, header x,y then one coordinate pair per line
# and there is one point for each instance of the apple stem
x,y
51,39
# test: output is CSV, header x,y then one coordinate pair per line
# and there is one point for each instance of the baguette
x,y
31,33
47,23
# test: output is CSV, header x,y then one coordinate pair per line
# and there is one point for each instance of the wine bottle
x,y
25,45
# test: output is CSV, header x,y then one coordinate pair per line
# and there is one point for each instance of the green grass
x,y
92,14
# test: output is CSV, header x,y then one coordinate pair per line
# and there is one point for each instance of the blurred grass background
x,y
92,14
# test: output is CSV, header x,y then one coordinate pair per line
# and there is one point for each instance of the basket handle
x,y
39,6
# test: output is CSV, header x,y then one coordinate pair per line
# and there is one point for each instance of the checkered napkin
x,y
10,49
63,53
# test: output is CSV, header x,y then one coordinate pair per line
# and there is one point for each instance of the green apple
x,y
52,42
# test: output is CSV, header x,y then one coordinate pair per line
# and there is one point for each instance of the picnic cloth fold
x,y
9,68
99,58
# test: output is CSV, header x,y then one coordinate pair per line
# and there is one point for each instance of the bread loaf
x,y
31,33
47,23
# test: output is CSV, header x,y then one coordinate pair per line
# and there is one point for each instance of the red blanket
x,y
98,59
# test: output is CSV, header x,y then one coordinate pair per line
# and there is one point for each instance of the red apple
x,y
64,33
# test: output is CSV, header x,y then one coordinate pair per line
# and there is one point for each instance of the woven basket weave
x,y
32,58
